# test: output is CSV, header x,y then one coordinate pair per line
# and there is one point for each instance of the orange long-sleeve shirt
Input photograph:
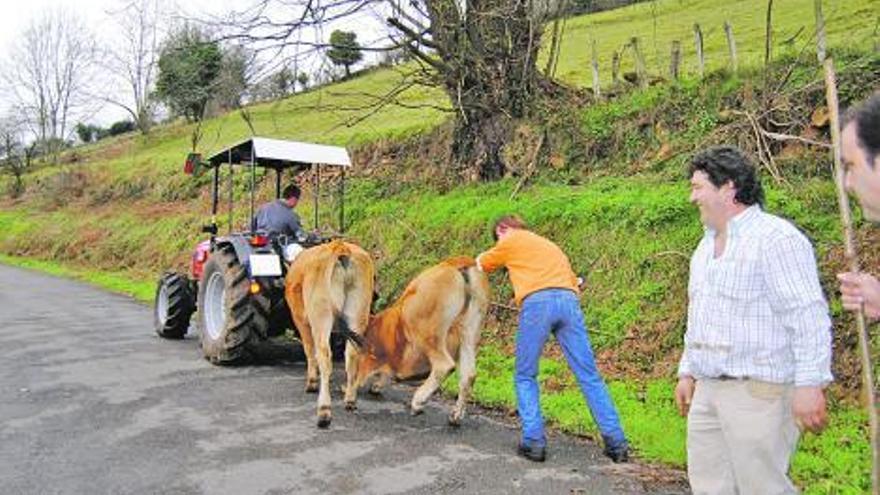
x,y
533,262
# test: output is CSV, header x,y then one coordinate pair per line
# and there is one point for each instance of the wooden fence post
x,y
641,71
596,90
731,44
698,42
676,60
768,35
615,67
820,31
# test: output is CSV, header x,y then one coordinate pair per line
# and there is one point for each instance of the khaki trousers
x,y
741,435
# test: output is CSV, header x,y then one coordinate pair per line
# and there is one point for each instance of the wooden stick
x,y
853,261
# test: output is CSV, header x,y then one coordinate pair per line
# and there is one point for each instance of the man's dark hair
x,y
291,191
867,119
509,221
728,163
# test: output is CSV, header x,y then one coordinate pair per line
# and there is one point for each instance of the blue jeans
x,y
558,311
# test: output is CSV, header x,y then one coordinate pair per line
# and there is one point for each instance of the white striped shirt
x,y
757,311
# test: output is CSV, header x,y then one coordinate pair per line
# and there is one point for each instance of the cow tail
x,y
340,325
476,299
467,286
340,272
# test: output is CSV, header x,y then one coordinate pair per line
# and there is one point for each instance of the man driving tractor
x,y
278,217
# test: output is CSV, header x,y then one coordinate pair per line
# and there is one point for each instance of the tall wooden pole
x,y
853,262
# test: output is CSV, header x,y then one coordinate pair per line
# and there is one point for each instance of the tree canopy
x,y
189,66
344,49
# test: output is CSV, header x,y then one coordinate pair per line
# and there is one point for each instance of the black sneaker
x,y
531,452
618,453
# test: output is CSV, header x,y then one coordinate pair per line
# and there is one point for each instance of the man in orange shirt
x,y
546,289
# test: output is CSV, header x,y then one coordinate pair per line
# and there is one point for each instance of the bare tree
x,y
481,52
48,74
133,61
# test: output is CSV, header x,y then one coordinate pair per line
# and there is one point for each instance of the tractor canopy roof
x,y
280,154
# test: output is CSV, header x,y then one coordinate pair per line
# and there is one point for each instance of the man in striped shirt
x,y
757,352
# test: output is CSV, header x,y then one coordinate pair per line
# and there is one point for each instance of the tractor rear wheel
x,y
231,319
173,305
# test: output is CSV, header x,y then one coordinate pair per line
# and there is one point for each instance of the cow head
x,y
382,342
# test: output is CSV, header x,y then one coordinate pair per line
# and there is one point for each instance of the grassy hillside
x,y
611,192
658,23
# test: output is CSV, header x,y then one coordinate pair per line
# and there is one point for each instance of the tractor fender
x,y
242,249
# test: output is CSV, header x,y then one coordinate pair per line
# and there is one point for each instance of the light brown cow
x,y
329,288
439,315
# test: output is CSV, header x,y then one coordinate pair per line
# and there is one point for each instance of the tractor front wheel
x,y
174,305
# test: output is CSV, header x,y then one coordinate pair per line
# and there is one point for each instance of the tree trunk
x,y
488,68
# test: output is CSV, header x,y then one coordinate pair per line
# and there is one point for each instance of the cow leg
x,y
325,367
471,323
351,367
356,311
467,371
467,364
441,365
308,343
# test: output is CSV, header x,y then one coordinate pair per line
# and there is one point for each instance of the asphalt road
x,y
92,402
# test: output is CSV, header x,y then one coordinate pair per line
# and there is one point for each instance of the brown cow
x,y
329,288
439,316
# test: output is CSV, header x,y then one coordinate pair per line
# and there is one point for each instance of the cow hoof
x,y
311,388
416,412
375,391
454,420
324,422
351,406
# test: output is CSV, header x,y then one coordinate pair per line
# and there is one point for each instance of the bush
x,y
120,127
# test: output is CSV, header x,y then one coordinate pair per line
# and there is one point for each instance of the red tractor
x,y
236,280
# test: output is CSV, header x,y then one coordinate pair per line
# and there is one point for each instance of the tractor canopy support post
x,y
215,192
342,202
317,191
253,220
231,187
